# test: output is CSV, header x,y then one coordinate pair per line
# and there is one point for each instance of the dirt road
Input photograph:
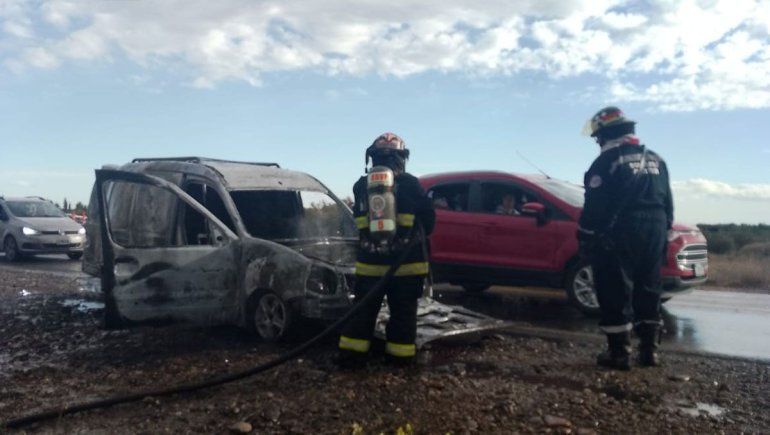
x,y
53,352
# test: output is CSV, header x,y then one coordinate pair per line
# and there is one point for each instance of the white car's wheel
x,y
11,249
580,288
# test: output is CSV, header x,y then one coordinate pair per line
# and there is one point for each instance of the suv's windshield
x,y
570,193
34,209
281,215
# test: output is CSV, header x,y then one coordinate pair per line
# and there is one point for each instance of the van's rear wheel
x,y
270,317
581,289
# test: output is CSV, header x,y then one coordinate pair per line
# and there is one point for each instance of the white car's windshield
x,y
570,193
283,215
31,209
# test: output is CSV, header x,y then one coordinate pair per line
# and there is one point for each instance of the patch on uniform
x,y
595,182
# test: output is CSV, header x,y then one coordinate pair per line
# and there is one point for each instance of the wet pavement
x,y
45,263
722,322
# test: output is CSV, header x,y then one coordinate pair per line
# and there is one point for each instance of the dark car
x,y
514,229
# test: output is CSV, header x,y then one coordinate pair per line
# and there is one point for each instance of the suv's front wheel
x,y
270,317
11,249
580,288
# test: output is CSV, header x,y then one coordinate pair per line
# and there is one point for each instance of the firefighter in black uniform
x,y
414,219
623,233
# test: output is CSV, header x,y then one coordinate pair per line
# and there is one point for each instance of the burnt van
x,y
219,242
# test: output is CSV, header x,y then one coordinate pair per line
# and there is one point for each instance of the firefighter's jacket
x,y
614,191
413,206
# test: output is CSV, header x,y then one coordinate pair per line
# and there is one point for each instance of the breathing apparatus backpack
x,y
380,185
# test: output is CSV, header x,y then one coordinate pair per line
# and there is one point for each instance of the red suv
x,y
516,229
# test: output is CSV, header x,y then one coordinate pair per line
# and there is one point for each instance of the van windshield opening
x,y
292,215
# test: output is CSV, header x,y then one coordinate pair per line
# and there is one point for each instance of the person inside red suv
x,y
507,205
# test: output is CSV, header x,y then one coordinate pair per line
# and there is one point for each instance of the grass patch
x,y
748,268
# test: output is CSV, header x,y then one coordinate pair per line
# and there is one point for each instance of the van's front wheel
x,y
270,317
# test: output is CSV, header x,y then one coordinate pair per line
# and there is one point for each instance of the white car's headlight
x,y
29,231
82,231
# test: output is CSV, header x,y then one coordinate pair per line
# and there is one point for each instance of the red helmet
x,y
387,143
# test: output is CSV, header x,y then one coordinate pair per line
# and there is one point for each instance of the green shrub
x,y
719,243
743,238
758,250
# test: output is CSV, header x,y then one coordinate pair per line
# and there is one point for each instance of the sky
x,y
309,84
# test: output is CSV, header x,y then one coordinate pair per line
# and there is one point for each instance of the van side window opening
x,y
141,215
209,198
452,197
279,214
145,216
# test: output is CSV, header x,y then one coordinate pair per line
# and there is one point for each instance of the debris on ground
x,y
54,352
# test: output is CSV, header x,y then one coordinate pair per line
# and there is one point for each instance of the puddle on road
x,y
89,284
690,321
700,409
82,305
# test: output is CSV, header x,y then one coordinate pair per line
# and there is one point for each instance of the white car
x,y
33,225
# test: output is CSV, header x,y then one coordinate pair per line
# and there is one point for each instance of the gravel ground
x,y
52,352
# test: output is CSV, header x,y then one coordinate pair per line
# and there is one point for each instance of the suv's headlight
x,y
82,231
29,231
321,280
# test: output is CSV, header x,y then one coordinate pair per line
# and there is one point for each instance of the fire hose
x,y
375,292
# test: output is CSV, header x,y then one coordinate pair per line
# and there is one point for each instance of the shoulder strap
x,y
635,180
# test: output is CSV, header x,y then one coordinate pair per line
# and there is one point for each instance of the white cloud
x,y
701,187
685,55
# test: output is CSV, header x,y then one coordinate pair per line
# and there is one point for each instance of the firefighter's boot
x,y
649,339
618,353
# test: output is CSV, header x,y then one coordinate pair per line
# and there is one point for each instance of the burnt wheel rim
x,y
583,287
270,317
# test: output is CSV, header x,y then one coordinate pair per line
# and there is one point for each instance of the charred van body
x,y
211,242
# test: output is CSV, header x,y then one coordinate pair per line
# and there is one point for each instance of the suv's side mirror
x,y
534,209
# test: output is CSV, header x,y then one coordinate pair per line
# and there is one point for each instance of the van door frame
x,y
112,316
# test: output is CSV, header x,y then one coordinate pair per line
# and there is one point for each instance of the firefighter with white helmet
x,y
623,233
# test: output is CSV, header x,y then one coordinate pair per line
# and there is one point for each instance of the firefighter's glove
x,y
594,244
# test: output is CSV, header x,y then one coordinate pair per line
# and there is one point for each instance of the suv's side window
x,y
3,215
452,197
503,199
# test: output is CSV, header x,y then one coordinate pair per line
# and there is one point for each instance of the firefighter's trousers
x,y
403,293
627,275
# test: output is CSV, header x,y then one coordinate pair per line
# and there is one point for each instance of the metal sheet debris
x,y
446,323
